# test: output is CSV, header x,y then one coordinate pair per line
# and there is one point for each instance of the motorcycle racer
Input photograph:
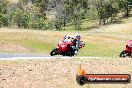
x,y
66,39
68,46
130,43
128,50
76,40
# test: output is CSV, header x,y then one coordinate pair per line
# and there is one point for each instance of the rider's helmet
x,y
64,37
129,43
78,36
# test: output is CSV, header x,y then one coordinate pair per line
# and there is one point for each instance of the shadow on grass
x,y
125,16
120,20
115,22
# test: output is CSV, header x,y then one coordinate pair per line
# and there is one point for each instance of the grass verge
x,y
32,41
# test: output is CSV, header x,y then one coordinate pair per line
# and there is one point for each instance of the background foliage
x,y
58,14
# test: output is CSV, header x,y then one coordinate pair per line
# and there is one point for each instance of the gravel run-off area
x,y
60,73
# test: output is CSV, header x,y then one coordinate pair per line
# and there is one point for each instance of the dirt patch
x,y
9,47
59,73
116,28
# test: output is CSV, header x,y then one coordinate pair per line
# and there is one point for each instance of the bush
x,y
42,25
3,20
38,24
92,14
20,19
50,25
25,20
58,24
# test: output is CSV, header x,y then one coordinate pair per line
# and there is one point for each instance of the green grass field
x,y
106,41
43,42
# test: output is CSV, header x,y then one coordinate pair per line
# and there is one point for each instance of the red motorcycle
x,y
65,48
128,50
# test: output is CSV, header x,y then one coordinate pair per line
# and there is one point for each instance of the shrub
x,y
3,20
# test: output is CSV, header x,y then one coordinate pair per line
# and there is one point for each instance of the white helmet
x,y
78,36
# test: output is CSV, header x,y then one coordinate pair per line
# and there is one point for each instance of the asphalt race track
x,y
36,56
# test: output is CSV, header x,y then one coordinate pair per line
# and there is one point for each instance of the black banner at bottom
x,y
103,78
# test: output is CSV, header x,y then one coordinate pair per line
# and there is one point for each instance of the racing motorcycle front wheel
x,y
123,54
53,52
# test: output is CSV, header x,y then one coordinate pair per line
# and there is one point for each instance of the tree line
x,y
32,14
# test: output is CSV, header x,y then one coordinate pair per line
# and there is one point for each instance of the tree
x,y
25,5
3,12
100,7
59,16
126,5
106,9
3,6
42,7
74,11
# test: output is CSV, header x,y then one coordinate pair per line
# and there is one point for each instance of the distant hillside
x,y
13,1
57,14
